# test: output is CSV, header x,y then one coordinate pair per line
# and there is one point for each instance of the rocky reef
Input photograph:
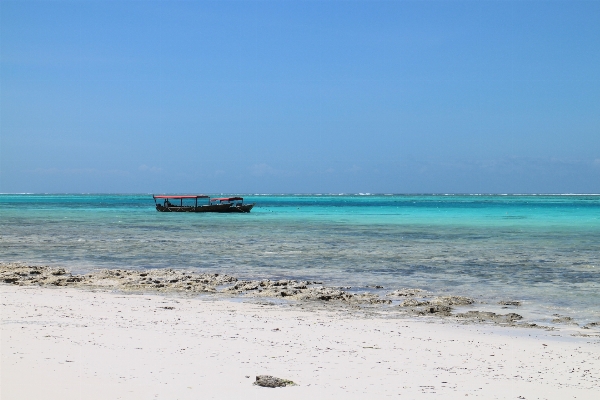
x,y
406,301
302,290
159,280
486,316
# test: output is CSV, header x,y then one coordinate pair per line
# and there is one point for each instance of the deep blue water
x,y
543,250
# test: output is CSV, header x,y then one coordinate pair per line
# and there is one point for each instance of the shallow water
x,y
542,250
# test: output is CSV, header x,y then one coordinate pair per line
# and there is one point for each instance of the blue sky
x,y
300,97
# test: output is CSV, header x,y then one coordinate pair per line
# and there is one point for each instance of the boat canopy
x,y
227,199
194,196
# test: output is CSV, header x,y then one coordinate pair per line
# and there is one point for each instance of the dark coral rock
x,y
272,382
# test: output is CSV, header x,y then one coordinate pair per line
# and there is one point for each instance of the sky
x,y
300,97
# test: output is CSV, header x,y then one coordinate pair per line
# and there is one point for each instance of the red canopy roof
x,y
188,196
227,198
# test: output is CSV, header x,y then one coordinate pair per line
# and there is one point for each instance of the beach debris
x,y
272,382
509,303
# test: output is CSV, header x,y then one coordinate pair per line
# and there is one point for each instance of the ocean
x,y
542,250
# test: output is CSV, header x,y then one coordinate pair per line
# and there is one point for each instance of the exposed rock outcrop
x,y
162,280
490,316
509,303
406,292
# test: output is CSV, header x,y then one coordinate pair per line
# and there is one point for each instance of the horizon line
x,y
310,194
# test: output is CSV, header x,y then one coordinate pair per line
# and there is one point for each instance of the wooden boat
x,y
168,206
236,204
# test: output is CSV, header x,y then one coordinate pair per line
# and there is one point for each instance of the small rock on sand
x,y
272,382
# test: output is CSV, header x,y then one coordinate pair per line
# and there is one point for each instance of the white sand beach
x,y
69,343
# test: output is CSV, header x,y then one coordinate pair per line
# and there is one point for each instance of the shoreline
x,y
63,343
400,303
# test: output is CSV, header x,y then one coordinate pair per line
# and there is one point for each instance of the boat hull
x,y
206,208
244,208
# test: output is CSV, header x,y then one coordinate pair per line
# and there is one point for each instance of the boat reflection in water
x,y
168,203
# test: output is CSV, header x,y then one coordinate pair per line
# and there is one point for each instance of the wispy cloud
x,y
507,164
263,169
146,168
77,171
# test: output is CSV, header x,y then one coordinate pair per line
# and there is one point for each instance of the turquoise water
x,y
543,250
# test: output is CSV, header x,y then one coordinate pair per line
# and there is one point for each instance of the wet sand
x,y
95,342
